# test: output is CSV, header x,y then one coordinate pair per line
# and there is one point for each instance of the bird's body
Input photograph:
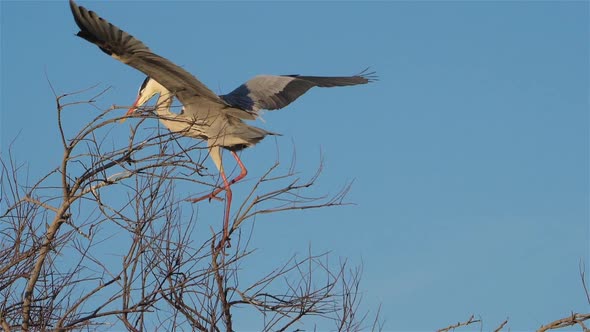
x,y
221,126
217,119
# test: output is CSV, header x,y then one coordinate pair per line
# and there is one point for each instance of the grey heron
x,y
218,119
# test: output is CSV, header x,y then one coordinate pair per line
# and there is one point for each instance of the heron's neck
x,y
163,105
169,119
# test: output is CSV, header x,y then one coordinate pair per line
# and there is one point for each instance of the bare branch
x,y
501,326
573,319
165,272
468,322
584,283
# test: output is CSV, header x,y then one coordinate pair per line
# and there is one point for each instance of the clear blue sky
x,y
469,156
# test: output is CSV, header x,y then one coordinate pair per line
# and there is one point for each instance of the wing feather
x,y
131,51
275,92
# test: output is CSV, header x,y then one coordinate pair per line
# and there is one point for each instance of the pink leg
x,y
228,198
213,195
243,170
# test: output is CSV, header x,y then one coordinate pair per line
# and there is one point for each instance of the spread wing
x,y
275,92
129,50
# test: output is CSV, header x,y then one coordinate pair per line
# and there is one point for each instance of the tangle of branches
x,y
105,241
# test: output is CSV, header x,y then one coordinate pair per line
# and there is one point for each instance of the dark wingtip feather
x,y
370,76
79,12
109,38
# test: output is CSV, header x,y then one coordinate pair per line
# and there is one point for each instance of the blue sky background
x,y
469,156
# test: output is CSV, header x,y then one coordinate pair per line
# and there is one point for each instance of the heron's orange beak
x,y
131,110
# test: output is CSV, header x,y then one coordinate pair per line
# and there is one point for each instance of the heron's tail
x,y
241,136
253,134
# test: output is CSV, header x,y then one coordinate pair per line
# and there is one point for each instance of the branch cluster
x,y
103,240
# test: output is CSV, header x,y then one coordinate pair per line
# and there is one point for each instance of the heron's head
x,y
147,90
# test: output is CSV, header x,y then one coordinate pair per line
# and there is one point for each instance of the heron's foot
x,y
209,197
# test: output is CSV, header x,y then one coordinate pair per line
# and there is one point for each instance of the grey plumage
x,y
129,50
217,119
262,92
275,92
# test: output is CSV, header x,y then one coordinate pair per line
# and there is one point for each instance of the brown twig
x,y
501,326
468,322
571,320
